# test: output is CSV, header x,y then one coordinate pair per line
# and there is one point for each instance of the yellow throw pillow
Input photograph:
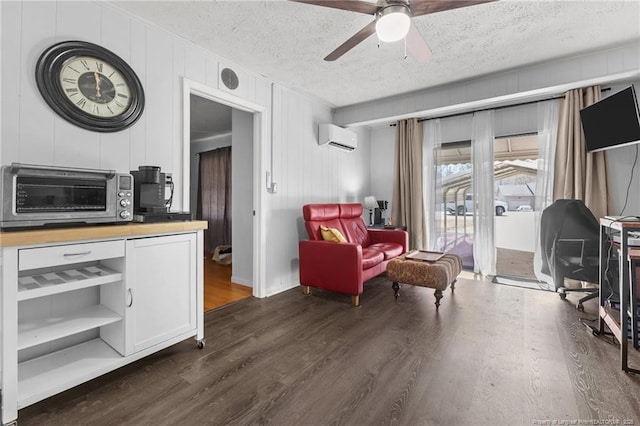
x,y
332,234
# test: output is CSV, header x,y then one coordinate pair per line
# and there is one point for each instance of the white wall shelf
x,y
32,333
46,284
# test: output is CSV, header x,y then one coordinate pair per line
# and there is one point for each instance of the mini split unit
x,y
337,137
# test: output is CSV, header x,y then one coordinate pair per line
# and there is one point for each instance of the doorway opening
x,y
515,169
215,121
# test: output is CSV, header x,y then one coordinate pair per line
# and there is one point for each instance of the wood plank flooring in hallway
x,y
492,355
218,288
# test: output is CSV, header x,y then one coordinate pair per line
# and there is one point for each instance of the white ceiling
x,y
208,118
286,41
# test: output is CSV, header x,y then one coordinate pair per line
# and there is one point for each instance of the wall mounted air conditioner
x,y
337,137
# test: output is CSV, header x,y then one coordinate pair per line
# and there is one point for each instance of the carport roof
x,y
511,148
461,181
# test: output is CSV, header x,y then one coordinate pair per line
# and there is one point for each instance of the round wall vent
x,y
229,78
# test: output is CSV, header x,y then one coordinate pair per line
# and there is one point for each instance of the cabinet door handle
x,y
82,253
130,298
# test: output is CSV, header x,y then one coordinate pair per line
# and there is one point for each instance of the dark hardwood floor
x,y
492,355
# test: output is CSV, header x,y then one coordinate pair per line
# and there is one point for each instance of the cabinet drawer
x,y
67,254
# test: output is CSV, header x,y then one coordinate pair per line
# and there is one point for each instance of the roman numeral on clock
x,y
99,66
85,64
69,80
72,91
81,103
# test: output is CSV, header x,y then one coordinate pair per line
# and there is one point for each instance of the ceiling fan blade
x,y
356,39
425,7
417,46
351,5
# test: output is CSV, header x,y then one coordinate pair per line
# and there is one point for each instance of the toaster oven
x,y
36,195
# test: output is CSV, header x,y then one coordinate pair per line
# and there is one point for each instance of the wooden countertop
x,y
619,224
58,235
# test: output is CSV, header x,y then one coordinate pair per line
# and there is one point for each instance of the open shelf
x,y
32,333
47,375
46,284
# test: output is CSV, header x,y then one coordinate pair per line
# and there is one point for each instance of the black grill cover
x,y
568,219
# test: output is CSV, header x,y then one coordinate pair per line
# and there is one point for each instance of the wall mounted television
x,y
612,122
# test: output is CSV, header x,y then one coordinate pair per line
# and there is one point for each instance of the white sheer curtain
x,y
431,142
548,116
484,249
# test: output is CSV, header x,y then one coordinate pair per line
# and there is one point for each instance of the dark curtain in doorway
x,y
214,196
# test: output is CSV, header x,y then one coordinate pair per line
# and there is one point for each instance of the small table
x,y
619,321
402,228
437,275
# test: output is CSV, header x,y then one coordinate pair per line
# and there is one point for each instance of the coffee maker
x,y
148,190
149,200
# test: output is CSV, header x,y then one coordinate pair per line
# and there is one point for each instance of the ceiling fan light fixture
x,y
393,23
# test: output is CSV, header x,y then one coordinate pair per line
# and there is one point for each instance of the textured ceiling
x,y
286,41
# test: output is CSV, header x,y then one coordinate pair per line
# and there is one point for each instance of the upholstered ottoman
x,y
437,274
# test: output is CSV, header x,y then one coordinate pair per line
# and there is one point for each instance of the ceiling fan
x,y
392,21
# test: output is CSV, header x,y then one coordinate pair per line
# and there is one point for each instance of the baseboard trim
x,y
242,281
273,292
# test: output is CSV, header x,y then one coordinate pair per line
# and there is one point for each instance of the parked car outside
x,y
462,209
524,208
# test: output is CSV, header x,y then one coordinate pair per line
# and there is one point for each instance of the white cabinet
x,y
73,311
161,296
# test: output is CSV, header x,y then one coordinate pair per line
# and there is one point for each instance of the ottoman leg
x,y
438,295
453,285
396,289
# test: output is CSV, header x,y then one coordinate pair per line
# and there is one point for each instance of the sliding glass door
x,y
515,178
513,203
454,211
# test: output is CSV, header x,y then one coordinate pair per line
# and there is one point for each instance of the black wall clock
x,y
90,86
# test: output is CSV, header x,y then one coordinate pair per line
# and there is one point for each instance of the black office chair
x,y
570,243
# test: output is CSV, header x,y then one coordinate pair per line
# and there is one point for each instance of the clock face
x,y
89,86
95,86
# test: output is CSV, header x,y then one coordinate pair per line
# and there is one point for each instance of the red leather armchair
x,y
344,267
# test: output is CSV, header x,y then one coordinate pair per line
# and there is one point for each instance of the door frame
x,y
190,87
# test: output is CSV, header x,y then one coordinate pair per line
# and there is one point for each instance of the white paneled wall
x,y
382,162
33,133
623,169
306,173
242,197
